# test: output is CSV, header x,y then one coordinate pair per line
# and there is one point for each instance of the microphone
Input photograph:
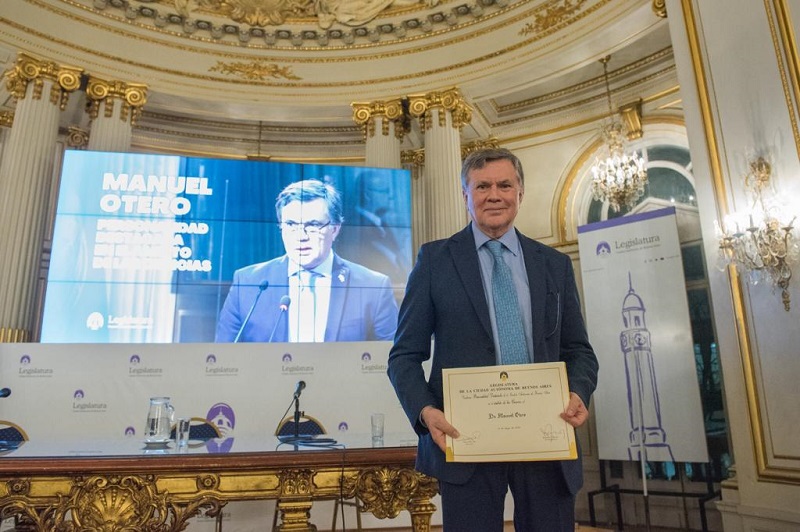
x,y
261,289
5,392
301,385
282,308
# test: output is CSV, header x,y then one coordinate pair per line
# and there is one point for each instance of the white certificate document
x,y
508,413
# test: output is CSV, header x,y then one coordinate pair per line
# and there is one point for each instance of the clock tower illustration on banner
x,y
644,410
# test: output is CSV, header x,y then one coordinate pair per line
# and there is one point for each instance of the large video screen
x,y
161,248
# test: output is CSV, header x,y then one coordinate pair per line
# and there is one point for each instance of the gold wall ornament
x,y
422,106
254,70
386,491
760,241
77,138
132,95
6,118
632,119
477,145
389,111
415,159
555,13
660,8
28,68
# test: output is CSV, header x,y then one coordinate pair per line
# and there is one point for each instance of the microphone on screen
x,y
301,385
261,289
282,308
5,392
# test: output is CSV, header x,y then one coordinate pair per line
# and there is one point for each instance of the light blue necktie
x,y
511,333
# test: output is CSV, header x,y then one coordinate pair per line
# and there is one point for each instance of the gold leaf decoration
x,y
254,70
555,14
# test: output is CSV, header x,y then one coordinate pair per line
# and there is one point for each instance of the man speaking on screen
x,y
309,294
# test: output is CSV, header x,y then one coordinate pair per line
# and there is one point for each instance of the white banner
x,y
638,320
103,391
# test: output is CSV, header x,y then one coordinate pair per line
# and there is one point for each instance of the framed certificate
x,y
508,413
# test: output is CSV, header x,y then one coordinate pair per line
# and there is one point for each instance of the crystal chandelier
x,y
761,241
620,178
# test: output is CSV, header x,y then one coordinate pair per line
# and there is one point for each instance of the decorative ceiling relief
x,y
554,14
254,70
275,12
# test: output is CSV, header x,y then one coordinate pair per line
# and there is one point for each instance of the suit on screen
x,y
445,299
362,305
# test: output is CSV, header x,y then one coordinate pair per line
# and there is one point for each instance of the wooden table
x,y
120,485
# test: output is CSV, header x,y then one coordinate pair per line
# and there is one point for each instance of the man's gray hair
x,y
478,159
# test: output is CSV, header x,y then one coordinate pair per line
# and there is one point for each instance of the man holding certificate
x,y
490,296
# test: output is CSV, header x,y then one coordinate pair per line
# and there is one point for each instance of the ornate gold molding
x,y
29,68
254,70
9,335
422,106
386,491
415,159
389,111
660,8
554,14
132,95
107,502
479,144
77,138
6,118
632,119
790,74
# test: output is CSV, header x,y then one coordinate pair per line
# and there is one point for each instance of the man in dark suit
x,y
310,294
449,298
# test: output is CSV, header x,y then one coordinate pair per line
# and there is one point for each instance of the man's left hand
x,y
576,413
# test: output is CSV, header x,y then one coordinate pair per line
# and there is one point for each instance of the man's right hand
x,y
434,419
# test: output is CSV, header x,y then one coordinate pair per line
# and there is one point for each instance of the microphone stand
x,y
297,415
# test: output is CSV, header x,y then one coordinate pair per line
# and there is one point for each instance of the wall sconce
x,y
760,241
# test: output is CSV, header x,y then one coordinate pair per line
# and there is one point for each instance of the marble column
x,y
6,121
383,128
441,116
41,89
415,159
114,107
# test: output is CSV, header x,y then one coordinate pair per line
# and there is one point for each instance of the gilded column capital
x,y
6,118
660,8
389,111
132,95
479,144
415,158
77,138
29,68
423,105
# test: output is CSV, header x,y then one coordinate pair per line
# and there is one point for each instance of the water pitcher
x,y
159,419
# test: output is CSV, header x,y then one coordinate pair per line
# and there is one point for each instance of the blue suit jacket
x,y
445,299
362,305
